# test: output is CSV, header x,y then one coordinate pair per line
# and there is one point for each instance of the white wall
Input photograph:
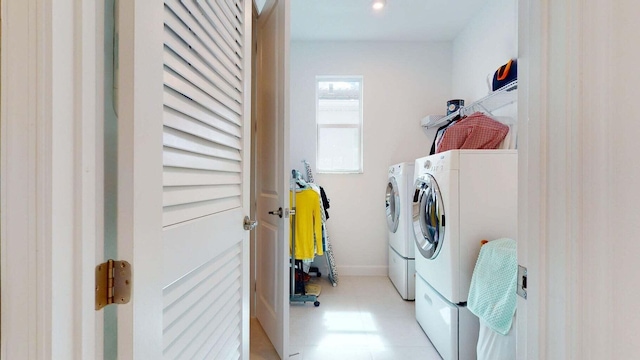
x,y
620,124
487,42
402,82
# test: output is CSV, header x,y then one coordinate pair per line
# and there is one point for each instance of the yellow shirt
x,y
308,225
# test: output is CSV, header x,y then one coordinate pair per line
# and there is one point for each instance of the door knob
x,y
249,224
277,212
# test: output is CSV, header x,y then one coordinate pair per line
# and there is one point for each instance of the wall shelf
x,y
502,97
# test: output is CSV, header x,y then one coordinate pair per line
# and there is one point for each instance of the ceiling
x,y
399,20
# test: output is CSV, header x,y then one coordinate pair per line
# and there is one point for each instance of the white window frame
x,y
352,78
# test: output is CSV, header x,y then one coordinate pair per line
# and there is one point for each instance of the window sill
x,y
328,172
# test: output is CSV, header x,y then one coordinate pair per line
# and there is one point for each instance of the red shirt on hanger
x,y
476,131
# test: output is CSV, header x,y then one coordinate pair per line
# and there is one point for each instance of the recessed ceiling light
x,y
378,4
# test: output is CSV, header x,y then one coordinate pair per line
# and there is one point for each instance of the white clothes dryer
x,y
461,197
398,199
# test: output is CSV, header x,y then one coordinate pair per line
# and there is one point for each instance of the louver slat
x,y
203,64
221,24
202,156
202,303
178,18
177,121
234,19
184,105
202,110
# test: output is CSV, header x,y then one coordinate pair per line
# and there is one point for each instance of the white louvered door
x,y
185,79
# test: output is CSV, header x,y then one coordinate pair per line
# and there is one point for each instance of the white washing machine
x,y
398,199
460,198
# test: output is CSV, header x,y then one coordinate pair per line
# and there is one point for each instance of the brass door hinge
x,y
113,283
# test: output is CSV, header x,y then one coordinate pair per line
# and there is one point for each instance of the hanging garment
x,y
477,131
323,212
325,203
318,191
439,133
511,140
308,225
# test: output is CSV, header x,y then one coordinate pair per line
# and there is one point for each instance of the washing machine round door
x,y
392,205
428,216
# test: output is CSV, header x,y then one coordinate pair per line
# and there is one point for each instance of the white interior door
x,y
183,177
272,167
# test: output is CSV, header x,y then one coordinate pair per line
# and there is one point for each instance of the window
x,y
339,121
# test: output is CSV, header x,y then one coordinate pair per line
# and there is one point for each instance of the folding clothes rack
x,y
328,254
293,297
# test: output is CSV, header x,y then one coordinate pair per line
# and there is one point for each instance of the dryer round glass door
x,y
392,205
428,216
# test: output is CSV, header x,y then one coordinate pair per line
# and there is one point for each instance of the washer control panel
x,y
396,170
433,164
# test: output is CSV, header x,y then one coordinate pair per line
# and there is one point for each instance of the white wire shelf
x,y
502,97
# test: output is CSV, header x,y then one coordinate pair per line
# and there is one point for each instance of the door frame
x,y
564,150
51,166
48,149
254,157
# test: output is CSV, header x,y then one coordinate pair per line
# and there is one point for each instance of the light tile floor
x,y
260,346
361,318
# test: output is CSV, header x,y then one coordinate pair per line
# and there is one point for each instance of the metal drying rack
x,y
303,297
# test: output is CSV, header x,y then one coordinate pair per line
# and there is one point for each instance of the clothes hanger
x,y
302,185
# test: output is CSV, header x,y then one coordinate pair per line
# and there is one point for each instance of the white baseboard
x,y
363,270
